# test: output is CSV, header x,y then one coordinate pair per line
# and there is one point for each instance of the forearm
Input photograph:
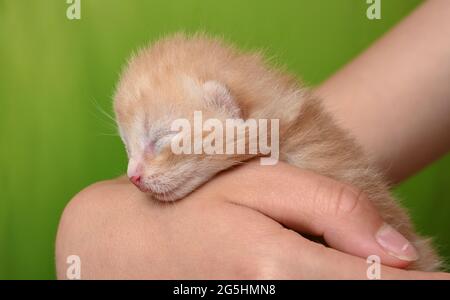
x,y
395,97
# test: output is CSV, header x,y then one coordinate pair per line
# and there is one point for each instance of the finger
x,y
303,259
313,204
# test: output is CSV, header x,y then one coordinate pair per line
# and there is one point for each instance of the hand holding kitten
x,y
215,236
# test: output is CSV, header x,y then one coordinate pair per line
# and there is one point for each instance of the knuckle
x,y
346,200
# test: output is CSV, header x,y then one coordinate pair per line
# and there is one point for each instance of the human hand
x,y
317,206
214,234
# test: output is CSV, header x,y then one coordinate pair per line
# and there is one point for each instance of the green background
x,y
56,76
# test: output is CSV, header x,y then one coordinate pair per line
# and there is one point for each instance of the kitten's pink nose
x,y
136,180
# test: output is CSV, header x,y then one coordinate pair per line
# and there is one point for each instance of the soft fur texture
x,y
181,74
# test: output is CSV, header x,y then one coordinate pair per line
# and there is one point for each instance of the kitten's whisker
x,y
107,134
110,117
110,121
107,124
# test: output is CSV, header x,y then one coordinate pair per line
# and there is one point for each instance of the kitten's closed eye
x,y
161,139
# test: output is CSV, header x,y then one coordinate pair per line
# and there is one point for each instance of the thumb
x,y
313,204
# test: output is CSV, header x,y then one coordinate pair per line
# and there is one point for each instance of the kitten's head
x,y
174,78
149,114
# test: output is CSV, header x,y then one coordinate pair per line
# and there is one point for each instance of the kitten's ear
x,y
217,95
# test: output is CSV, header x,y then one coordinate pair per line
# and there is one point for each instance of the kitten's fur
x,y
180,74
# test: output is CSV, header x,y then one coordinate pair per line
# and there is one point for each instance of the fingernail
x,y
396,244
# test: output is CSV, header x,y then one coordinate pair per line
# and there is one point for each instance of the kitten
x,y
179,75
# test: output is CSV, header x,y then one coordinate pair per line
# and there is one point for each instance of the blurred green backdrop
x,y
56,74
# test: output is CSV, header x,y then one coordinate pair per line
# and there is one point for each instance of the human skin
x,y
395,96
119,233
230,228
